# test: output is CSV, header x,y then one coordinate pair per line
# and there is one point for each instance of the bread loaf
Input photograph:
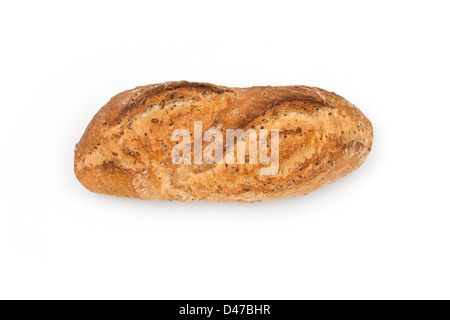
x,y
129,149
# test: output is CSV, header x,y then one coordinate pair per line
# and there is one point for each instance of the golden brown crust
x,y
126,149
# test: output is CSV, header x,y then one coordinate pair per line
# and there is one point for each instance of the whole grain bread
x,y
126,148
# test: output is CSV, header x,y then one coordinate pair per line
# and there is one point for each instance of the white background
x,y
381,232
